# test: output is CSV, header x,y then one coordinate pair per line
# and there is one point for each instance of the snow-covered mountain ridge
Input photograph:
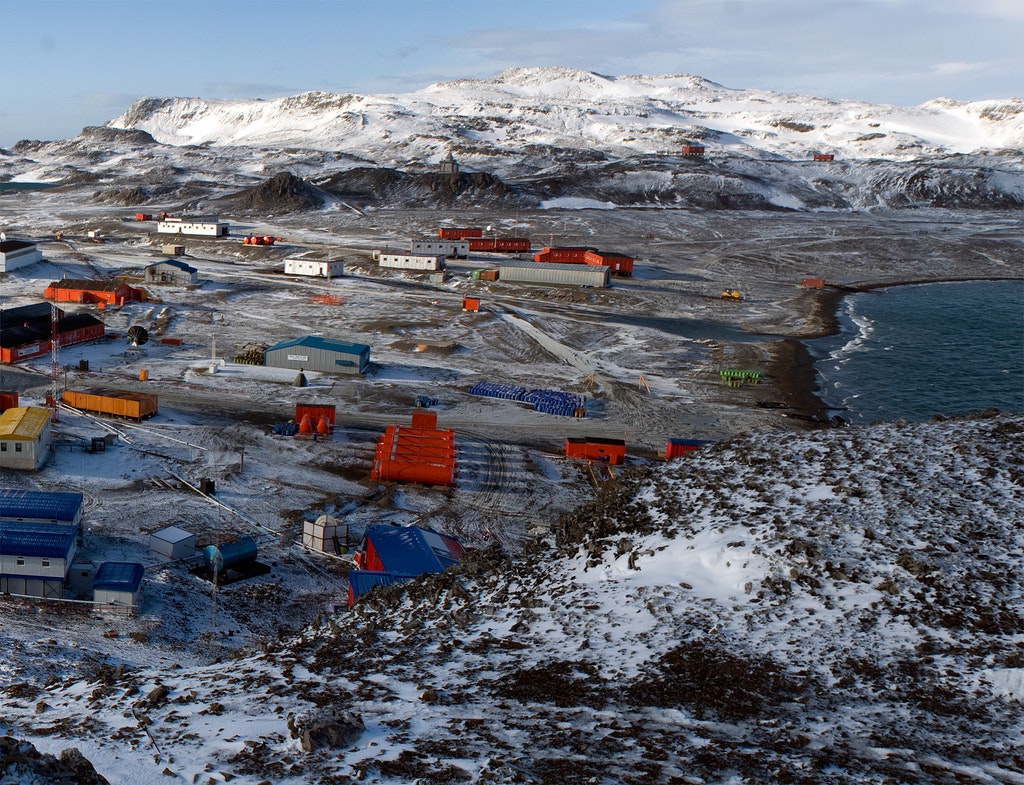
x,y
559,107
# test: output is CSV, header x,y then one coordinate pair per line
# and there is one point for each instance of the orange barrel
x,y
143,375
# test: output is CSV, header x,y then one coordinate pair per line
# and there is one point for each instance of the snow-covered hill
x,y
842,606
528,108
550,134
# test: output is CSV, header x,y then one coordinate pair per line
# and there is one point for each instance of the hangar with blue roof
x,y
313,353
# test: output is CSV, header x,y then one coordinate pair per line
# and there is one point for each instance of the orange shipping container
x,y
424,418
117,403
604,450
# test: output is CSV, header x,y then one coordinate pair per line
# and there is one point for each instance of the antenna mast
x,y
54,358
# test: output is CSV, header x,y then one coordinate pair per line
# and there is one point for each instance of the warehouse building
x,y
35,558
314,266
410,261
40,507
199,226
313,353
24,437
18,253
550,273
172,271
26,331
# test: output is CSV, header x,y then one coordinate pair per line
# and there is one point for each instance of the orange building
x,y
87,291
605,450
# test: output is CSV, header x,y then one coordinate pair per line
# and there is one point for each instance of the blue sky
x,y
66,64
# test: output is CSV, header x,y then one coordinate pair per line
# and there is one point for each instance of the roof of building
x,y
23,423
192,219
411,550
187,268
10,317
7,246
119,576
87,285
39,505
40,329
22,538
316,342
361,581
172,534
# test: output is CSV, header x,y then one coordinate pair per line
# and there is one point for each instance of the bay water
x,y
909,352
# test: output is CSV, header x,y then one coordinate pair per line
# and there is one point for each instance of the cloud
x,y
951,69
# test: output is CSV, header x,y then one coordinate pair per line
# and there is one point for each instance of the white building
x,y
172,543
35,558
18,253
200,226
24,437
410,261
118,586
314,267
324,534
457,249
172,271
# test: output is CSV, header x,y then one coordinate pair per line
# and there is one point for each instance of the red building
x,y
500,244
26,332
447,233
824,157
86,291
693,150
676,448
605,450
620,264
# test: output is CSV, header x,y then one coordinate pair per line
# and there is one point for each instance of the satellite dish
x,y
138,335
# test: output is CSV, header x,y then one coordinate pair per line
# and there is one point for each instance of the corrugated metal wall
x,y
549,273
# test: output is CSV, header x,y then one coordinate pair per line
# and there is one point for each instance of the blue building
x,y
118,584
40,506
35,557
313,353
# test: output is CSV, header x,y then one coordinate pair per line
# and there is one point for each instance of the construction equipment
x,y
731,294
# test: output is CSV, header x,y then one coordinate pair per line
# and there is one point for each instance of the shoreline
x,y
792,365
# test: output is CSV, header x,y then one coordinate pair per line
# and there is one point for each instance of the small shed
x,y
172,271
172,543
314,266
812,283
118,584
471,304
324,534
676,448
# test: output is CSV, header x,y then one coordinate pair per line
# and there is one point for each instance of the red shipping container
x,y
448,233
470,304
824,157
8,400
813,283
143,217
679,447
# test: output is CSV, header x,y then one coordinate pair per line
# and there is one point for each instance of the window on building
x,y
17,447
20,561
46,563
3,446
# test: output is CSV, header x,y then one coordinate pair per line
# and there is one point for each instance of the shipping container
x,y
470,304
824,157
8,400
488,275
813,283
450,233
143,217
424,418
116,403
500,244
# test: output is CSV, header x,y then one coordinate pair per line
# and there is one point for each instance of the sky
x,y
67,64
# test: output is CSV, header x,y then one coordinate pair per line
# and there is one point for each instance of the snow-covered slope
x,y
843,606
565,108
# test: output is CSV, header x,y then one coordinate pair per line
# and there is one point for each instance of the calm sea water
x,y
913,351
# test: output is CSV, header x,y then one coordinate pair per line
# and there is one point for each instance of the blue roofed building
x,y
118,584
392,554
313,353
40,506
35,557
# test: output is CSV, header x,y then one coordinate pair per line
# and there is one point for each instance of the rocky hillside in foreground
x,y
530,136
842,607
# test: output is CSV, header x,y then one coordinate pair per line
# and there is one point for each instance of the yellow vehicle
x,y
731,294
